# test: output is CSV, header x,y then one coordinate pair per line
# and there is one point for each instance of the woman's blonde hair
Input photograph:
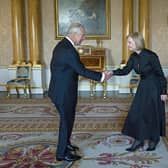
x,y
138,39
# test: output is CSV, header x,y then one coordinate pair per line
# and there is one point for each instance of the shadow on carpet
x,y
98,149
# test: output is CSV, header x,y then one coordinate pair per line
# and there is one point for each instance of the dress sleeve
x,y
126,69
159,72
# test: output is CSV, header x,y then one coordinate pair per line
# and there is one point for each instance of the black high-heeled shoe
x,y
137,144
152,145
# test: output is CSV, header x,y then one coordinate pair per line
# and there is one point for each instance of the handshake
x,y
108,74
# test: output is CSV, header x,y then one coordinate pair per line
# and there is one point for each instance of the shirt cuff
x,y
103,77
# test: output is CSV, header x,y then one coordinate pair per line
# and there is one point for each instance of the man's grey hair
x,y
75,28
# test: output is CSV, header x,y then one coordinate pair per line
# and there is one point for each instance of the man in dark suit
x,y
65,68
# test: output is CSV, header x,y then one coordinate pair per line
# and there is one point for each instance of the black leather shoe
x,y
152,146
69,157
137,144
72,147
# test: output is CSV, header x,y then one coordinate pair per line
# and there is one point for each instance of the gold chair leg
x,y
25,92
104,89
131,91
29,87
8,92
91,88
17,91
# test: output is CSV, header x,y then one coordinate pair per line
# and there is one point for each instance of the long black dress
x,y
146,117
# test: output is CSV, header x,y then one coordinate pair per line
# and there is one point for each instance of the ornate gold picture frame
x,y
95,15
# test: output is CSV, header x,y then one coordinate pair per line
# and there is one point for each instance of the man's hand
x,y
164,97
108,74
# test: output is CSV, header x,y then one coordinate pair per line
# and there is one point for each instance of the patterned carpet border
x,y
80,99
93,114
107,114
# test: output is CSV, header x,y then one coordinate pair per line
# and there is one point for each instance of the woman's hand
x,y
163,97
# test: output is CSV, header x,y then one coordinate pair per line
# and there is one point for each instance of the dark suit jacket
x,y
65,67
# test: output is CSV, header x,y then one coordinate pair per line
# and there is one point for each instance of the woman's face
x,y
131,44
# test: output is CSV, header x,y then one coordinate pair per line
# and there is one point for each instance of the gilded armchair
x,y
22,80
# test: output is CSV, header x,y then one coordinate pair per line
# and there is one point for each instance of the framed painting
x,y
95,15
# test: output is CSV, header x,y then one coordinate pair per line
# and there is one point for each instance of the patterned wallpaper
x,y
159,31
5,33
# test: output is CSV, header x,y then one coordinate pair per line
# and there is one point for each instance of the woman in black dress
x,y
146,117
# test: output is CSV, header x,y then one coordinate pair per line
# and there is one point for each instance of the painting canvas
x,y
93,14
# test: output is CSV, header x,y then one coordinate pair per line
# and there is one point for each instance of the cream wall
x,y
158,34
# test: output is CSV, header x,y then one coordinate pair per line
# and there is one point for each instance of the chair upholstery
x,y
134,81
22,80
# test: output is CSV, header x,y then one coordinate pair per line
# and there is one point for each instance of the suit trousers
x,y
67,117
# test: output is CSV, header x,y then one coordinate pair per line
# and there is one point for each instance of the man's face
x,y
79,37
